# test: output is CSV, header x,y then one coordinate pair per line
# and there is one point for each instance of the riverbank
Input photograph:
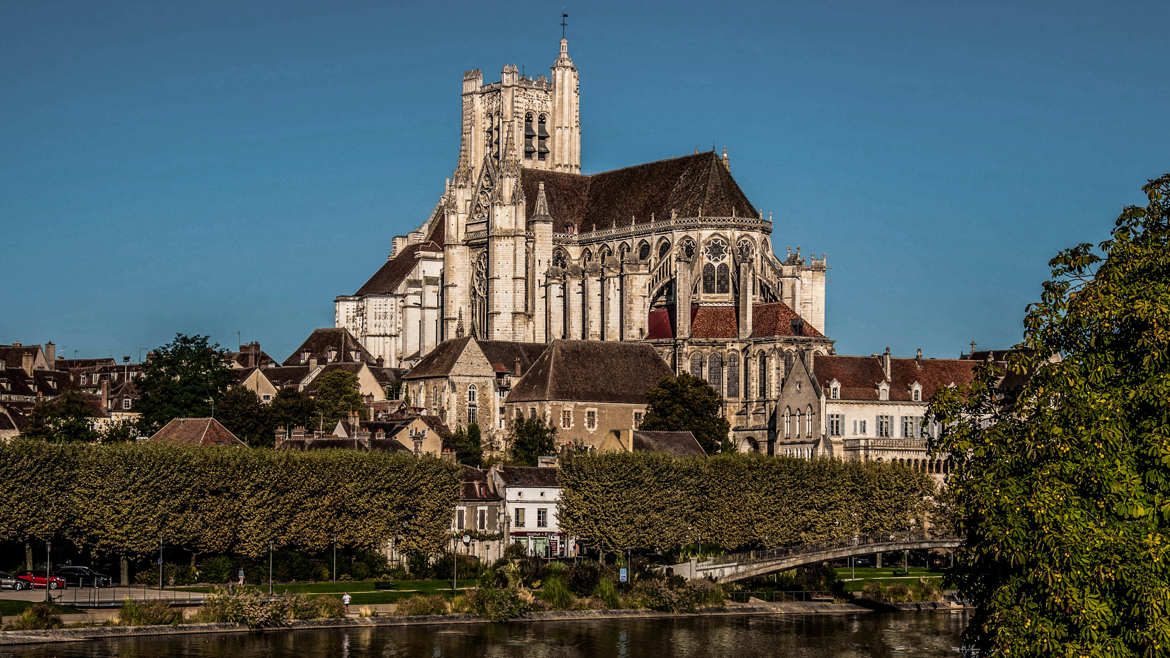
x,y
89,633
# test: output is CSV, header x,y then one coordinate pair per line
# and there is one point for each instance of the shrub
x,y
514,552
556,594
39,616
416,606
244,606
582,578
674,594
149,613
498,603
897,593
301,606
606,590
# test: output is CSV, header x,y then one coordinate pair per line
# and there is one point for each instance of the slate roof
x,y
501,354
12,355
319,342
859,376
528,476
679,444
395,270
285,375
690,185
242,359
592,371
768,319
474,485
196,432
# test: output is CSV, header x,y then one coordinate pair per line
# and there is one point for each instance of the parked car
x,y
38,581
8,581
83,576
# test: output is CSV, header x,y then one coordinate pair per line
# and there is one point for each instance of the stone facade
x,y
522,247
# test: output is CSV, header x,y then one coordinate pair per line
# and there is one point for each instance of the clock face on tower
x,y
716,250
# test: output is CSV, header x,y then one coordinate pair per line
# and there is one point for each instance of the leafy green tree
x,y
181,380
291,408
241,411
687,403
337,396
35,504
466,444
123,431
66,418
1062,480
532,438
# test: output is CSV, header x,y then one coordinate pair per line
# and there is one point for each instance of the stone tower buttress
x,y
566,119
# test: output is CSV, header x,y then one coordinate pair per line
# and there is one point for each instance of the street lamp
x,y
270,547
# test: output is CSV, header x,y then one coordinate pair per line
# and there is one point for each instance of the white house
x,y
530,498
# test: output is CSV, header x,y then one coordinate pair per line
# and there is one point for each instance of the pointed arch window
x,y
722,278
733,375
715,372
559,259
542,137
479,297
763,375
529,137
808,422
697,366
799,415
708,278
787,422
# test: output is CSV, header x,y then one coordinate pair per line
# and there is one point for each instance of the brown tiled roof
x,y
502,354
439,361
285,375
436,425
352,368
196,432
319,342
12,355
385,445
690,185
528,476
396,269
388,376
17,380
592,371
679,444
475,485
768,319
859,376
70,364
241,359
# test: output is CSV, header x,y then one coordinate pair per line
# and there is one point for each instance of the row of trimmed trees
x,y
123,500
652,502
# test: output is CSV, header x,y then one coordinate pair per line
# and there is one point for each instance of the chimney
x,y
280,435
516,367
918,356
51,354
312,363
298,433
886,362
26,362
105,394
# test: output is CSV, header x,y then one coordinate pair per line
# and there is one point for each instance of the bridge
x,y
740,566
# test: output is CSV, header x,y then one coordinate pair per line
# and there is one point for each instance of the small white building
x,y
530,496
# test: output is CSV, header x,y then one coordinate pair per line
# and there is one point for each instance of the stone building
x,y
588,389
465,380
480,515
523,247
865,407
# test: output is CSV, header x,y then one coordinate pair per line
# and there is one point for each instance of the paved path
x,y
107,596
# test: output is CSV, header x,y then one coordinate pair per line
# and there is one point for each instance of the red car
x,y
38,581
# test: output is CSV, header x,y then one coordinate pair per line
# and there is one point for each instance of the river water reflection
x,y
925,634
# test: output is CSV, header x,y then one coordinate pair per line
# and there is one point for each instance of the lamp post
x,y
335,559
270,547
160,564
48,562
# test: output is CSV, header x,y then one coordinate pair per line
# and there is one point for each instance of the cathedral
x,y
521,246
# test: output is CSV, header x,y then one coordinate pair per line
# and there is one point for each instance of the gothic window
x,y
787,422
733,375
763,375
542,138
697,365
716,250
472,414
688,248
604,255
715,372
559,259
529,137
644,251
708,278
744,247
587,257
722,278
479,297
623,252
808,418
663,247
471,394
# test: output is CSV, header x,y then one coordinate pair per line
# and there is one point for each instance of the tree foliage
x,y
66,418
241,411
338,395
122,500
642,501
686,403
531,438
466,444
181,380
291,408
1062,482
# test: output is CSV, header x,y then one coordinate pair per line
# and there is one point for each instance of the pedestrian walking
x,y
241,574
345,598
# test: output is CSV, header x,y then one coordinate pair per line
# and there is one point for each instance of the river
x,y
925,634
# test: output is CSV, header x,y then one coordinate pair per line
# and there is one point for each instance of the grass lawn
x,y
8,607
884,575
362,590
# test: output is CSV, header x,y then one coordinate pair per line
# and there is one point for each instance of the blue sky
x,y
217,167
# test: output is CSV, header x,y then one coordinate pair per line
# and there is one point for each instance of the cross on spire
x,y
564,22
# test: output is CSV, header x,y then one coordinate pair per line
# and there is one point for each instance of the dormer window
x,y
883,391
916,392
834,390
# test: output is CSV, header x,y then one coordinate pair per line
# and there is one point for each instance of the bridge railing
x,y
803,549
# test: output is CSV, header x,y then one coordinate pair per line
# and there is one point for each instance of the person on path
x,y
241,574
345,598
